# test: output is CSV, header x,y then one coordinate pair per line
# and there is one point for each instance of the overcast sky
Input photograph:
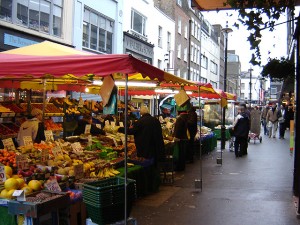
x,y
273,42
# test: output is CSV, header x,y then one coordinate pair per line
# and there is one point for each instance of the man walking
x,y
272,120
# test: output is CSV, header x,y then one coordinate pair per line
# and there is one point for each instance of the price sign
x,y
44,155
49,135
2,174
87,129
77,148
57,151
52,185
22,162
9,144
121,124
112,123
78,171
27,141
20,194
98,125
107,123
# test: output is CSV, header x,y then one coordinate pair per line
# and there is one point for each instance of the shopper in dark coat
x,y
86,120
180,135
241,129
282,118
148,136
192,128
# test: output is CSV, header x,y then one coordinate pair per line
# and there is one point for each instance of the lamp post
x,y
226,31
250,86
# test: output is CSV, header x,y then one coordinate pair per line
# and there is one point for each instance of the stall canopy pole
x,y
44,97
125,150
198,183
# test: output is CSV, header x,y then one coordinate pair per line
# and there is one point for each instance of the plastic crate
x,y
105,199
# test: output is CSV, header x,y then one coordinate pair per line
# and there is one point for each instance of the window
x,y
179,51
273,90
138,22
213,67
185,32
214,84
179,2
185,75
35,14
204,61
203,80
242,86
159,64
178,72
168,41
185,54
192,26
97,32
6,10
159,36
179,25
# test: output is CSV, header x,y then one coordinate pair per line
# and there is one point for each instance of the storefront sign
x,y
138,47
16,41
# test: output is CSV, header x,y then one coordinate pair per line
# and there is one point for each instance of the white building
x,y
253,95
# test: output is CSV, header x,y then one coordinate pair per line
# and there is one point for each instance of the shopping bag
x,y
270,124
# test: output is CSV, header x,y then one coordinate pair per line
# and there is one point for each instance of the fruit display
x,y
51,125
8,158
50,108
5,132
5,109
13,107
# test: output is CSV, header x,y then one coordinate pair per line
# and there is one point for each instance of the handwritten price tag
x,y
22,162
52,185
121,124
78,171
2,174
77,148
49,135
44,155
9,144
57,151
27,141
98,125
87,129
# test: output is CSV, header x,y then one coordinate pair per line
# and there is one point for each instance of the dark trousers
x,y
180,165
240,146
282,128
190,150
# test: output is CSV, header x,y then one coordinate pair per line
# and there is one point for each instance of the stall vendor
x,y
32,127
86,120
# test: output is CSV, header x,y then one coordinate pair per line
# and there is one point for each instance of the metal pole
x,y
223,138
125,150
250,85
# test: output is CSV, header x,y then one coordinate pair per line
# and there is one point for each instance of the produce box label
x,y
22,162
49,135
57,151
78,170
77,148
52,185
87,129
44,155
2,174
27,141
9,144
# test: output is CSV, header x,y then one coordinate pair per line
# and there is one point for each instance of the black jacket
x,y
181,126
242,127
81,128
148,137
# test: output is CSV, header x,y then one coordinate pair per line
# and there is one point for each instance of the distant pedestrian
x,y
263,119
282,117
289,115
272,120
255,116
241,127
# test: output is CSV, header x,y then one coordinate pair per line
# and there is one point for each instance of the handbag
x,y
281,120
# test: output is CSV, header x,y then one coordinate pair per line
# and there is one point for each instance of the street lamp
x,y
250,86
226,30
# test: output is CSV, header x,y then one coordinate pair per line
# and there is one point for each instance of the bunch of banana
x,y
107,172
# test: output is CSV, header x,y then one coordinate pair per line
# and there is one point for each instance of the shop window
x,y
138,22
6,10
34,14
179,25
159,36
97,32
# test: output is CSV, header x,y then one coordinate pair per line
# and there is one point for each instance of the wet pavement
x,y
255,189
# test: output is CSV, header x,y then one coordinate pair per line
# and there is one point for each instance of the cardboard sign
x,y
57,151
121,124
22,162
49,135
9,144
52,185
87,129
27,141
20,194
78,171
77,148
2,174
44,155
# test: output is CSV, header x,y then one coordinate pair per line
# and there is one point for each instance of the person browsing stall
x,y
87,120
32,127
